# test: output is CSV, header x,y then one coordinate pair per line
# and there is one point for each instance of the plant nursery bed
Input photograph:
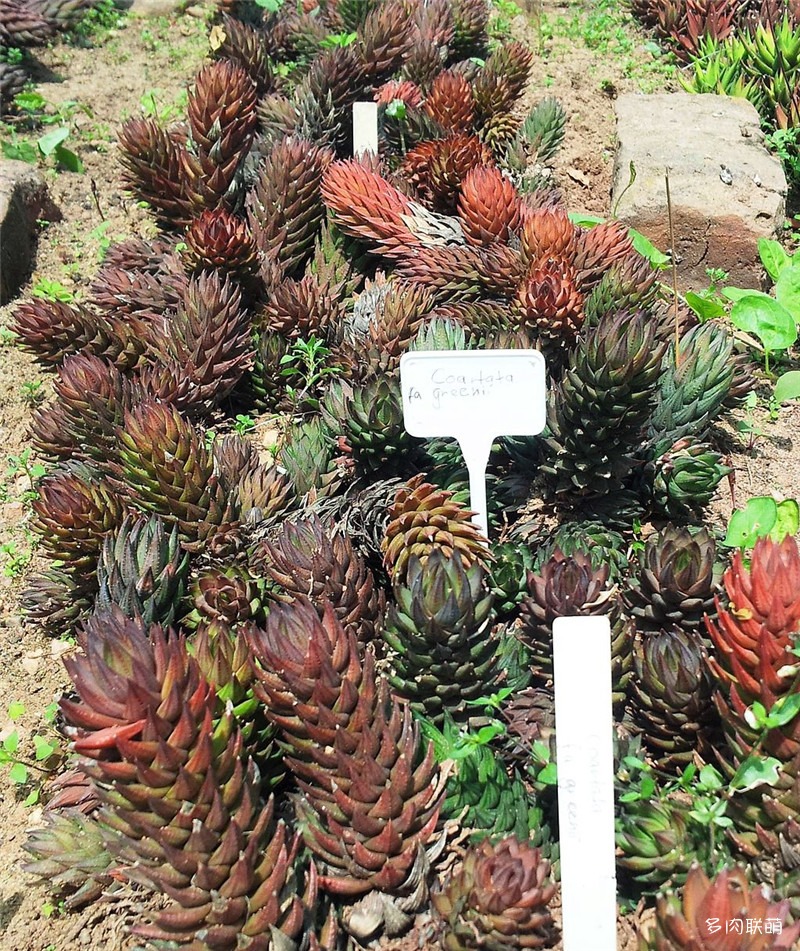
x,y
139,481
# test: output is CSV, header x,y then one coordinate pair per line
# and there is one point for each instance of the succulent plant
x,y
310,559
142,570
167,772
165,468
711,914
654,844
499,899
672,690
370,792
438,630
677,580
422,519
596,413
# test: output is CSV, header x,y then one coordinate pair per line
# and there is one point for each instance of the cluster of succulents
x,y
317,631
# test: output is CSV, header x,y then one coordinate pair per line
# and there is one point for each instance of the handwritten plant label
x,y
585,758
474,396
365,128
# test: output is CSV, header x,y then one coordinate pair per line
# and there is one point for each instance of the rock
x,y
154,8
726,189
24,200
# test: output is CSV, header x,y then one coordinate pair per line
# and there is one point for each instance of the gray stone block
x,y
24,200
727,190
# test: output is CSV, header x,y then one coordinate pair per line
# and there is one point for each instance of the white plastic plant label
x,y
474,396
585,760
365,128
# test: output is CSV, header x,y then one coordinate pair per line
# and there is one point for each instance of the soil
x,y
110,80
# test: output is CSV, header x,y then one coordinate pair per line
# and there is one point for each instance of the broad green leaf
x,y
756,715
18,773
737,293
787,522
756,771
50,141
787,386
710,778
32,798
648,250
548,775
11,742
705,308
16,709
44,747
773,257
585,221
787,291
754,521
21,152
784,711
67,159
30,101
766,319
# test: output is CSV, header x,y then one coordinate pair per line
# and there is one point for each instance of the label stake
x,y
585,757
474,396
365,128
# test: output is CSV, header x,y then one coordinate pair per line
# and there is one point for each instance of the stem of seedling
x,y
674,270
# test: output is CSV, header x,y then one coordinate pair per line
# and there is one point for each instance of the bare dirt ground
x,y
577,62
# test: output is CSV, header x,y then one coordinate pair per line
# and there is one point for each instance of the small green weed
x,y
52,290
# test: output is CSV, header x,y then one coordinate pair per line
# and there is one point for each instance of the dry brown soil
x,y
110,80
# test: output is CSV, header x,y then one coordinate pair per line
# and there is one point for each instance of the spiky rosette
x,y
470,18
337,78
201,353
168,775
152,169
569,585
395,320
450,102
694,385
551,304
351,745
753,638
249,48
539,136
306,453
682,480
13,79
438,629
498,899
229,595
53,330
370,417
23,24
548,233
596,413
602,544
127,293
70,853
653,842
261,495
305,308
224,659
384,39
222,120
142,570
423,518
677,580
464,273
218,239
488,207
284,208
727,903
672,690
309,677
310,558
92,397
75,510
165,468
58,601
366,206
437,168
508,574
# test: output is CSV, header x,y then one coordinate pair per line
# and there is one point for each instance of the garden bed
x,y
583,59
